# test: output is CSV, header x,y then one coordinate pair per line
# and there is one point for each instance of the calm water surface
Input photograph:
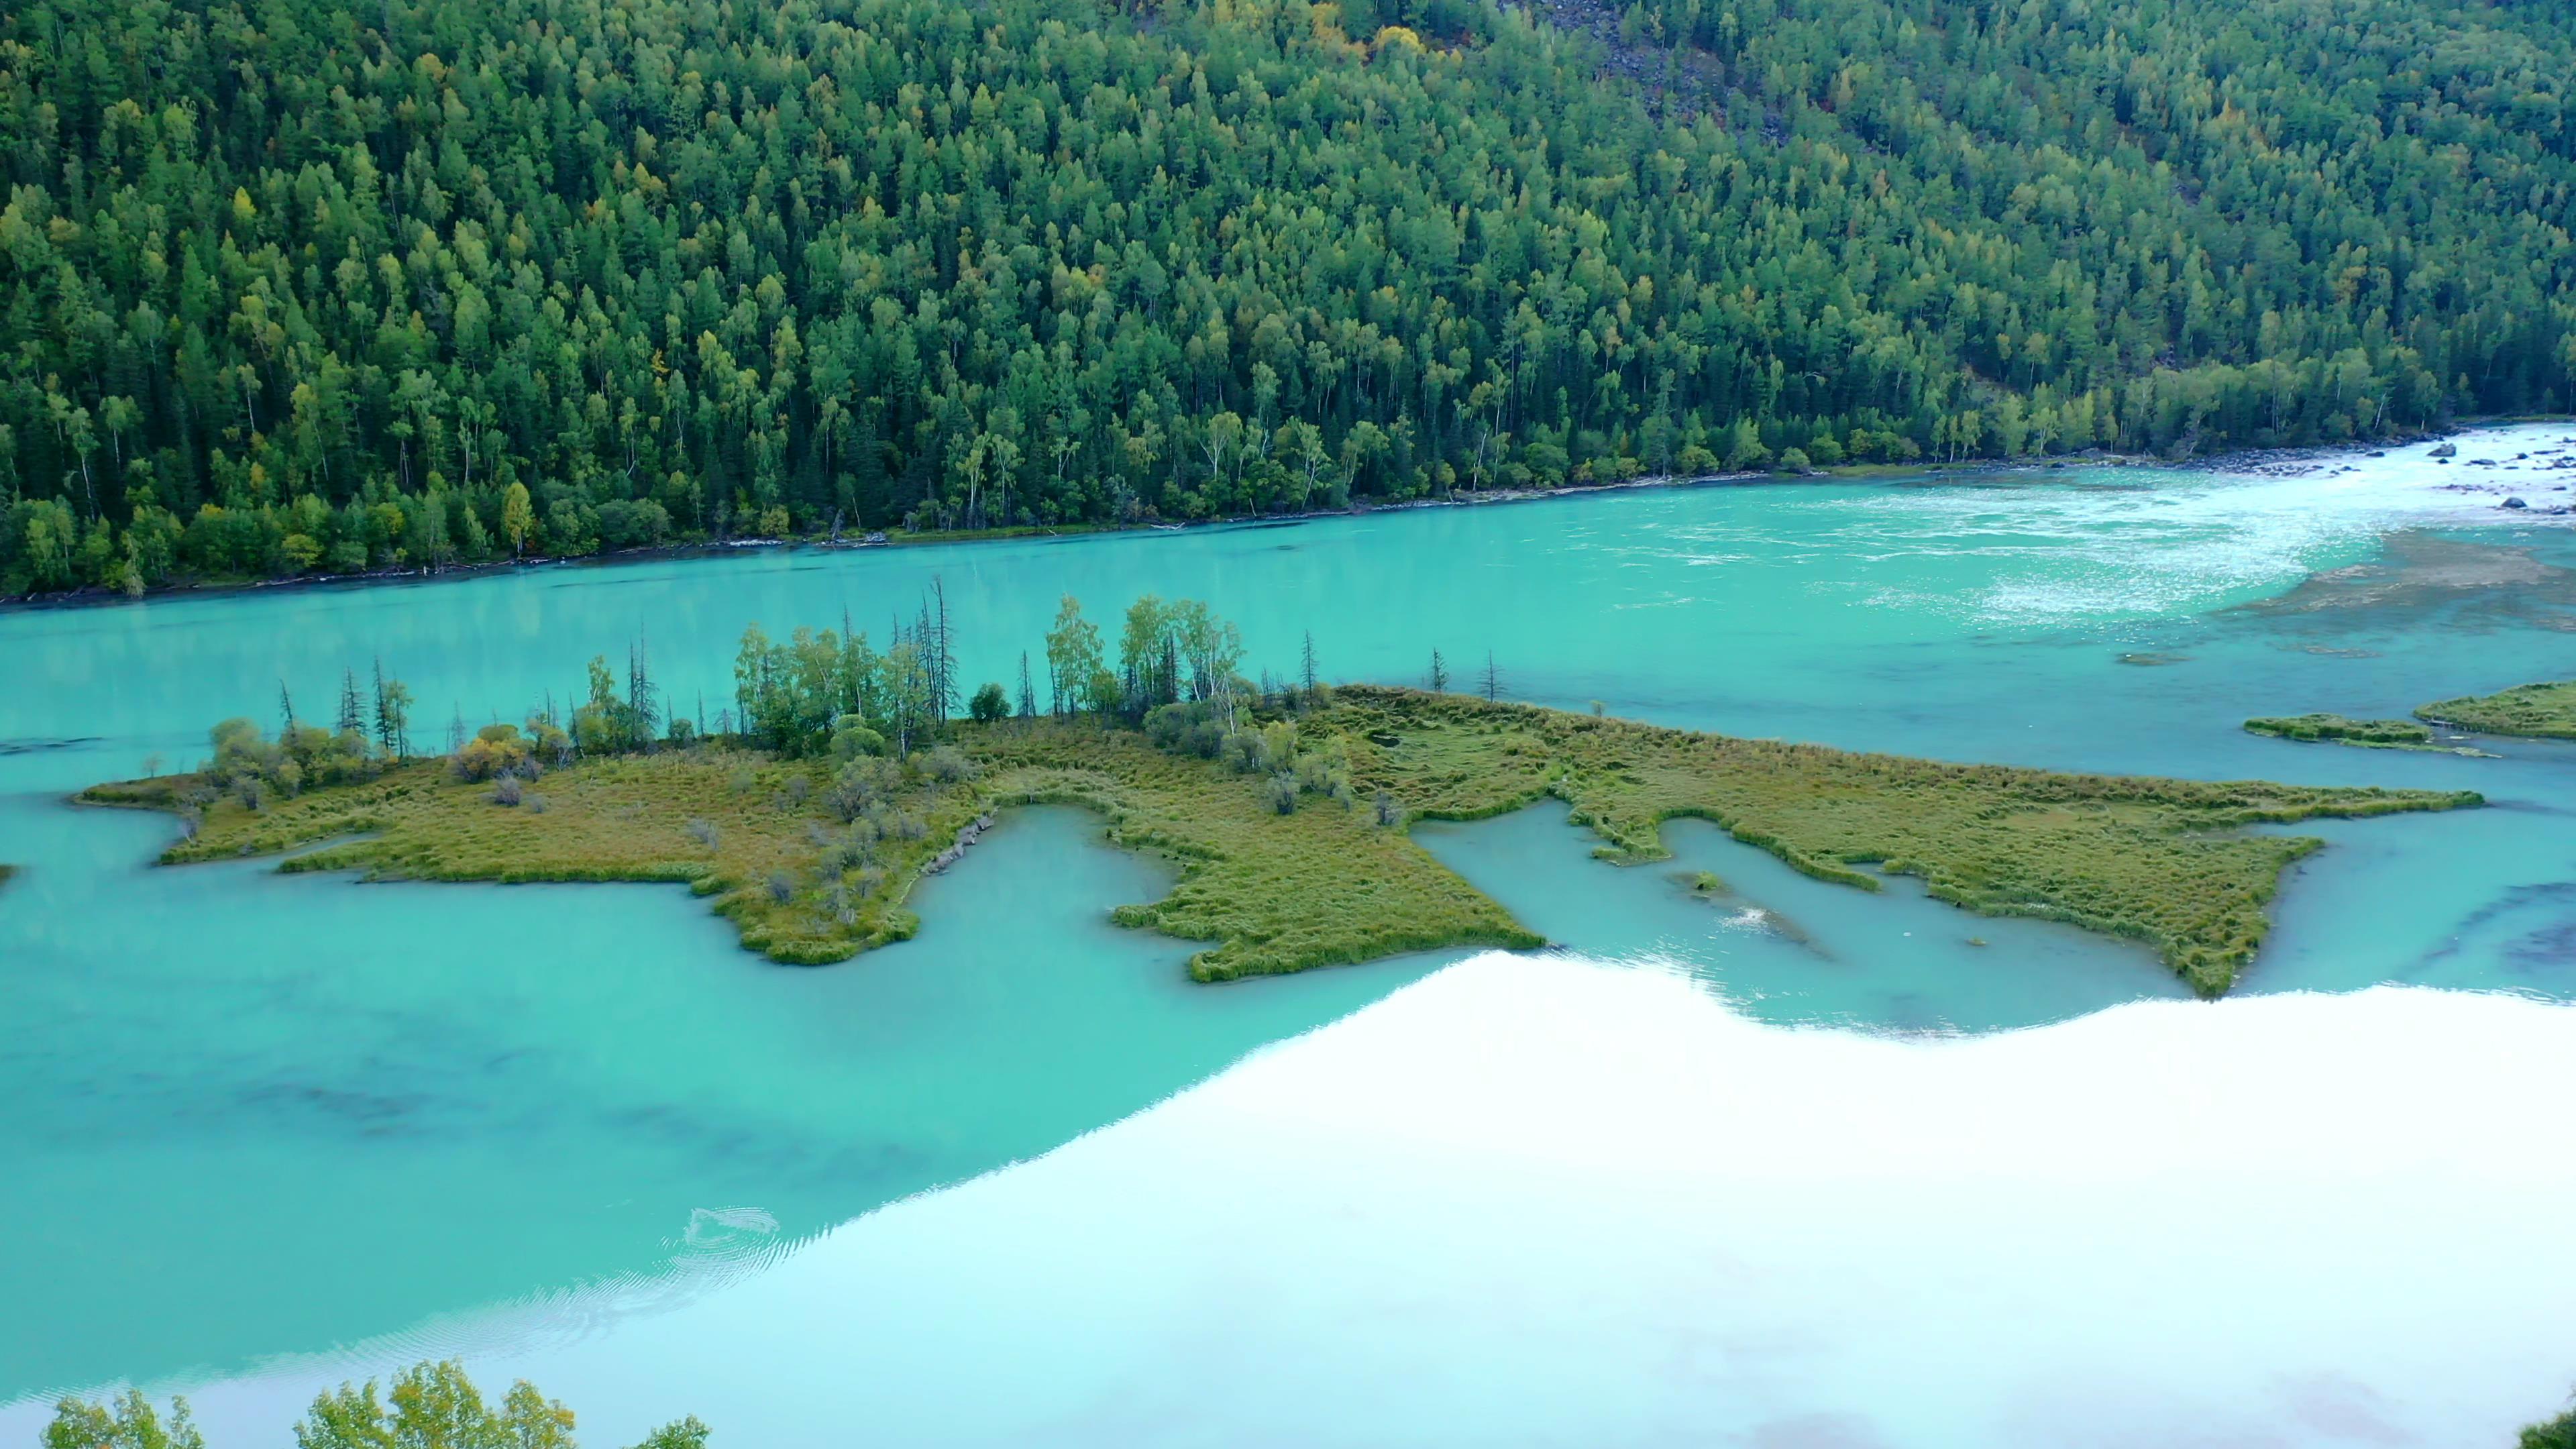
x,y
1794,1166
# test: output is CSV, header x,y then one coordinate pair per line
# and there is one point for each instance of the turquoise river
x,y
1805,1168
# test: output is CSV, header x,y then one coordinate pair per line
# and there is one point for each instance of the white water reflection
x,y
1542,1200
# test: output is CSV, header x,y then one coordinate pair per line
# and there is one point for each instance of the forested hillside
x,y
310,286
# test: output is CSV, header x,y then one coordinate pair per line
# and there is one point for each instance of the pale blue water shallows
x,y
1795,1166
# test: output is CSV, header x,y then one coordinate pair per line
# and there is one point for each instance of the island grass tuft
x,y
2539,711
2375,734
1278,882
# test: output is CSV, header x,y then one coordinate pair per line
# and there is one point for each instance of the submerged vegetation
x,y
428,1406
839,777
2545,711
304,288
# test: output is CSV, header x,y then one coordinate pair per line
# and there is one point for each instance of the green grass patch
x,y
2380,734
2376,734
2541,711
735,826
2166,862
2368,734
1322,883
1322,886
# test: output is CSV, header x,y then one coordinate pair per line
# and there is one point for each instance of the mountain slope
x,y
300,285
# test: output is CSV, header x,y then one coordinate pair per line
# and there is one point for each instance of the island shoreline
x,y
813,862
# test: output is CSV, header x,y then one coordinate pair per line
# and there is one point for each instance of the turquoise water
x,y
265,1131
409,1100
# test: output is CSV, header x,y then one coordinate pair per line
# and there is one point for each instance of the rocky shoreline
x,y
967,835
2535,480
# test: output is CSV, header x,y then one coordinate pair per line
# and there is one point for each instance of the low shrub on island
x,y
837,781
429,1406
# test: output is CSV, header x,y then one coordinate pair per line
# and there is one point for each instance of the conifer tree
x,y
353,719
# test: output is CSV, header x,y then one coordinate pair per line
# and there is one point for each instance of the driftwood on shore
x,y
973,831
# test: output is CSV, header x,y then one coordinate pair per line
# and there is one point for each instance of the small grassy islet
x,y
2376,734
2539,711
1335,879
2368,734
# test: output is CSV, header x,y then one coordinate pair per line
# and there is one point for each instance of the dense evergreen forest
x,y
306,286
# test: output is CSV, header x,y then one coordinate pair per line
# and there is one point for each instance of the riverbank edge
x,y
99,595
2244,460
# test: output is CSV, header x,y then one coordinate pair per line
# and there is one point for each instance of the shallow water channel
x,y
1777,1163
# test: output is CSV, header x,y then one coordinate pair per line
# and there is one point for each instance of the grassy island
x,y
2368,734
1286,807
2158,861
2541,711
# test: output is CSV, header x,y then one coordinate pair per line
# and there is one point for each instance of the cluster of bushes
x,y
866,784
512,761
430,1406
255,769
834,692
1196,728
1289,769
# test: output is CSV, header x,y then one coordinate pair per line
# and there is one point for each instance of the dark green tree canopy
x,y
295,286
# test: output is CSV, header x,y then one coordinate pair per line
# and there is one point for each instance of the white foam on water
x,y
2195,540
